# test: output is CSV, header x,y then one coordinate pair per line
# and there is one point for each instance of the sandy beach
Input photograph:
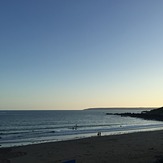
x,y
142,147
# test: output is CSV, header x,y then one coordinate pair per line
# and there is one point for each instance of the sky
x,y
77,54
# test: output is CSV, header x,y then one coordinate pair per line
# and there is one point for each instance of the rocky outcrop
x,y
155,114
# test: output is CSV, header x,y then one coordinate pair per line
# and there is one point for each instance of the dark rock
x,y
155,114
159,159
109,113
4,161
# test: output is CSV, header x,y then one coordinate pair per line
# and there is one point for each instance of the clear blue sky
x,y
69,54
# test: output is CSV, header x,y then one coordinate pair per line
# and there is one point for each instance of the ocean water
x,y
29,127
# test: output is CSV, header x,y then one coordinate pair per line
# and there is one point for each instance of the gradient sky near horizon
x,y
76,54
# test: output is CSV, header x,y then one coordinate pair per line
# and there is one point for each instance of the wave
x,y
32,129
80,130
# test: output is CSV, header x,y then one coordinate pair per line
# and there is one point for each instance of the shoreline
x,y
132,147
83,136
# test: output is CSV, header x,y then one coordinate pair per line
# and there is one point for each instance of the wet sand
x,y
142,147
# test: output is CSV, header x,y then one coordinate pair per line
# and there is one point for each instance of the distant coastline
x,y
121,108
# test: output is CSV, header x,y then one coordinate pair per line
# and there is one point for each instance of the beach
x,y
145,147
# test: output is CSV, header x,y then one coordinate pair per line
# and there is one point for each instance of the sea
x,y
19,128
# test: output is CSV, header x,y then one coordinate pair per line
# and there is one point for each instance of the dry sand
x,y
143,147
